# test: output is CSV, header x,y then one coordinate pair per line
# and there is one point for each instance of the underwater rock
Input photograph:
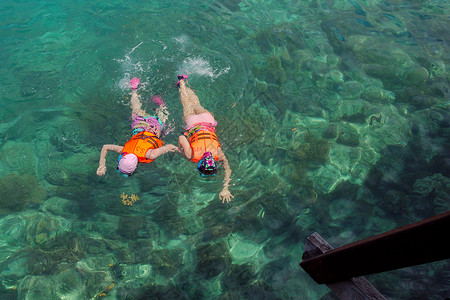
x,y
167,212
129,226
351,89
274,248
57,174
279,36
94,245
336,76
438,68
277,272
259,289
166,262
331,81
413,75
396,202
238,276
211,215
440,88
326,177
437,184
353,111
12,270
19,157
58,256
146,248
230,295
348,135
359,118
242,250
341,208
301,57
69,284
216,232
70,135
313,149
277,216
18,191
261,86
43,229
152,291
60,206
37,287
249,222
13,229
330,132
371,50
213,259
97,277
386,73
274,71
375,93
334,61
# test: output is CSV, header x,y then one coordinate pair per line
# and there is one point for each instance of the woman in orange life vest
x,y
199,143
145,144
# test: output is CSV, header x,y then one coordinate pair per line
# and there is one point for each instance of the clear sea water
x,y
334,116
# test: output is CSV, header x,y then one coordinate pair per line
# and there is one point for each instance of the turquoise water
x,y
334,116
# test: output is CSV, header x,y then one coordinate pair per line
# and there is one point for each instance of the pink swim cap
x,y
128,163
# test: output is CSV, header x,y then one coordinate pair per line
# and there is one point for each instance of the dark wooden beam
x,y
418,243
357,288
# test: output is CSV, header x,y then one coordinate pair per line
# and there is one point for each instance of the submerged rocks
x,y
36,287
330,132
19,157
213,259
348,136
18,191
167,262
130,226
340,209
313,149
67,284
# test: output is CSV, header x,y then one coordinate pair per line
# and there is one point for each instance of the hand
x,y
101,170
171,148
225,195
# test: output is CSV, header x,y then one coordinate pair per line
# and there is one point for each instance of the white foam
x,y
201,67
130,68
183,40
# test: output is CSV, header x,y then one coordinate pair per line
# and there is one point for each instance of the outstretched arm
x,y
225,194
102,163
154,153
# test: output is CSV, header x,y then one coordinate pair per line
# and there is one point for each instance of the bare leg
x,y
136,105
189,100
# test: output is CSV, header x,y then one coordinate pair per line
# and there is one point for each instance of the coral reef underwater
x,y
334,116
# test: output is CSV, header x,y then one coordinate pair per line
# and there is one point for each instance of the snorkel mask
x,y
207,166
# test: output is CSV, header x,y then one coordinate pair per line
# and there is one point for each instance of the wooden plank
x,y
353,289
418,243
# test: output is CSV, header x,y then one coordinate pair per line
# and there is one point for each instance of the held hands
x,y
101,170
225,195
171,148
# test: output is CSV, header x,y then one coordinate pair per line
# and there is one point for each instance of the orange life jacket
x,y
201,142
140,143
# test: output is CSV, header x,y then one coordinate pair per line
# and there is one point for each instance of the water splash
x,y
199,66
130,68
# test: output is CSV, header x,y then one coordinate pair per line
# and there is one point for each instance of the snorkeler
x,y
199,143
145,145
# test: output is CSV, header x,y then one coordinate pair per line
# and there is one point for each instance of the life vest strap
x,y
152,139
203,136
